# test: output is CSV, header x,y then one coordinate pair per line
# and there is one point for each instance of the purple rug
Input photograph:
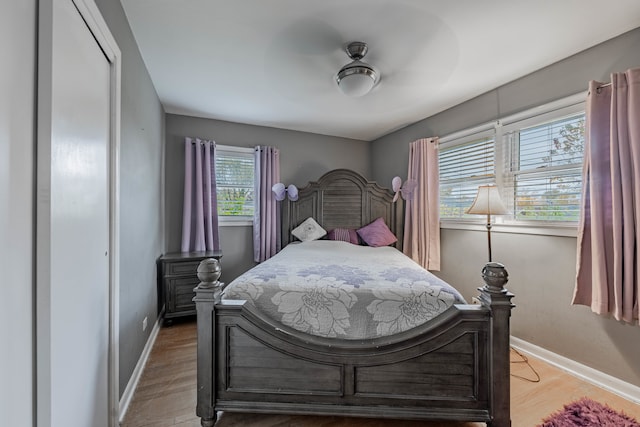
x,y
588,413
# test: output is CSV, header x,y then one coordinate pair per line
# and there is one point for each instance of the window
x,y
464,165
534,157
544,178
235,184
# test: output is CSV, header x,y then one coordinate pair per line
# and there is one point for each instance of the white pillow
x,y
309,230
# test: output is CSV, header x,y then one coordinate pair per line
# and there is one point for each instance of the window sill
x,y
234,222
561,230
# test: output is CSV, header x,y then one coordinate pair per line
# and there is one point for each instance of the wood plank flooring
x,y
166,394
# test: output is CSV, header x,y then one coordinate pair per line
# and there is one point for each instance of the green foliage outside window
x,y
235,202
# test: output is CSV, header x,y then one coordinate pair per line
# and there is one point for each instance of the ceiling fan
x,y
357,78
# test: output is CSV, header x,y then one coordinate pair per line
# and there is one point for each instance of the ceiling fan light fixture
x,y
357,78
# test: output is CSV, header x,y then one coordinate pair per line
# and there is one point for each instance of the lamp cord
x,y
525,360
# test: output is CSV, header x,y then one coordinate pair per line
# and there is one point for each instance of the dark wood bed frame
x,y
454,367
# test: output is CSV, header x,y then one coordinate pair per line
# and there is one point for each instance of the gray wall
x,y
541,268
17,139
141,194
303,157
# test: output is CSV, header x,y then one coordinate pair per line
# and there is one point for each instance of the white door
x,y
73,208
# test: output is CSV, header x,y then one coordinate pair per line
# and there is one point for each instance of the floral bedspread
x,y
337,289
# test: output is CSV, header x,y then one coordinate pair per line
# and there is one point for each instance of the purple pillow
x,y
344,235
377,234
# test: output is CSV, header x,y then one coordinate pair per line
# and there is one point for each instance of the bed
x,y
450,365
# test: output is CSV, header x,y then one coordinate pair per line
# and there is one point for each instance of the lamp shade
x,y
357,79
487,202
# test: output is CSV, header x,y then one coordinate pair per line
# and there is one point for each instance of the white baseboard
x,y
600,379
127,395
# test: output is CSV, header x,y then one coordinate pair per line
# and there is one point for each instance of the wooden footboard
x,y
455,367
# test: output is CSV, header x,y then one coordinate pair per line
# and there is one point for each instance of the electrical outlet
x,y
144,324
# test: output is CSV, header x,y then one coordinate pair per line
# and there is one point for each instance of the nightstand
x,y
177,276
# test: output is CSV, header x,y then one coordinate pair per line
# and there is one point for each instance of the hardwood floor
x,y
166,394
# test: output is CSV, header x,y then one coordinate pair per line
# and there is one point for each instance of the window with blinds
x,y
544,173
235,182
465,164
535,158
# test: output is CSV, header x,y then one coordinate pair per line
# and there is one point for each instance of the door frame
x,y
100,31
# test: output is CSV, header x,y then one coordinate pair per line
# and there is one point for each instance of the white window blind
x,y
465,164
235,182
543,177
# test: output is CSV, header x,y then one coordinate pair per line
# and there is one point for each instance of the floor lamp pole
x,y
489,234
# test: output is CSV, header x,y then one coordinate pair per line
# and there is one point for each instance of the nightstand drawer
x,y
181,268
181,295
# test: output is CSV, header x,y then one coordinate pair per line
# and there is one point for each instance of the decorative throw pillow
x,y
309,230
377,234
344,235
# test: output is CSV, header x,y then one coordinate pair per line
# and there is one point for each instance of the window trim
x,y
235,221
557,109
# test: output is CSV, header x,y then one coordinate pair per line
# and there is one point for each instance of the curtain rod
x,y
602,86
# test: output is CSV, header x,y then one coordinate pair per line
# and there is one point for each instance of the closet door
x,y
73,233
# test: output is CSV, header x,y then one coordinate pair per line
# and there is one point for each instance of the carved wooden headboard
x,y
343,199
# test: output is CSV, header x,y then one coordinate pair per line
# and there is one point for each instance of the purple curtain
x,y
200,208
422,213
609,228
266,219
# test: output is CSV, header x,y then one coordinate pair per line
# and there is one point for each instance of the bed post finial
x,y
209,272
495,276
208,293
495,297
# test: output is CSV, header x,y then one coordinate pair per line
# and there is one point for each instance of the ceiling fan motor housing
x,y
357,50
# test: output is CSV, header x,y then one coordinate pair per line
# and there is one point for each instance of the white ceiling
x,y
273,62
